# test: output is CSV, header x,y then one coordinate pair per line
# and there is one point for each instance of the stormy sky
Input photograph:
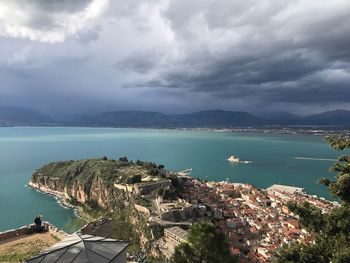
x,y
83,56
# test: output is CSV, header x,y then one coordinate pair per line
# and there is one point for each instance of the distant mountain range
x,y
212,118
18,116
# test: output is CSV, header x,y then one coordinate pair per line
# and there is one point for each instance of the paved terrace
x,y
17,245
285,188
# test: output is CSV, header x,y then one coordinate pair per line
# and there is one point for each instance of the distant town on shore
x,y
210,119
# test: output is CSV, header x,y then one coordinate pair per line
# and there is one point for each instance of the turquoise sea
x,y
24,149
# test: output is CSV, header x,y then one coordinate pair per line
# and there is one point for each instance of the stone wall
x,y
149,187
143,209
30,229
177,215
24,230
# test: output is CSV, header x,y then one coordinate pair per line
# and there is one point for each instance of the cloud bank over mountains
x,y
175,55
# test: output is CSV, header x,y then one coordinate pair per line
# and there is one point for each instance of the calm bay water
x,y
24,149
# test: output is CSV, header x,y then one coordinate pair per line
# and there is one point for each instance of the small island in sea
x,y
154,208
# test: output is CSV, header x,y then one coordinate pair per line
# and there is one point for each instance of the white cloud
x,y
16,20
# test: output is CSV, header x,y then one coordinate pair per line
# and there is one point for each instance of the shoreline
x,y
61,198
309,130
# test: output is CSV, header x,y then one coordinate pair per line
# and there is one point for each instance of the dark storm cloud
x,y
42,11
57,5
140,61
178,54
263,52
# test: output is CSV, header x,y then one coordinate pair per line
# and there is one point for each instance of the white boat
x,y
234,159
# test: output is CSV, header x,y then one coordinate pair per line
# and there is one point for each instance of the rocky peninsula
x,y
152,207
119,190
93,181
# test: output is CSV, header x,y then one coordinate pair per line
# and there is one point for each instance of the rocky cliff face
x,y
85,181
96,191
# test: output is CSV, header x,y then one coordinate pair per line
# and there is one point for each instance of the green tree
x,y
124,159
205,245
133,179
331,230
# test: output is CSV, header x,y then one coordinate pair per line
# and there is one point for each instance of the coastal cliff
x,y
90,181
113,190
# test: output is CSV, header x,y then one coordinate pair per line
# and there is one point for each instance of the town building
x,y
176,234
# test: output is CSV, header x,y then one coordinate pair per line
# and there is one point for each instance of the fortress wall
x,y
30,229
24,230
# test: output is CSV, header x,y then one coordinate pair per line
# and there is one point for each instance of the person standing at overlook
x,y
38,222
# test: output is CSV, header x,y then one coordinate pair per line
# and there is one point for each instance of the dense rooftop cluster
x,y
256,221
